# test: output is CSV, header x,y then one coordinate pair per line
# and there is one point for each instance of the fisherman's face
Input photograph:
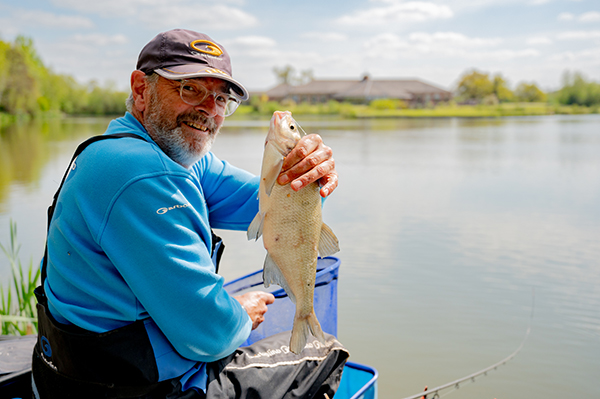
x,y
184,132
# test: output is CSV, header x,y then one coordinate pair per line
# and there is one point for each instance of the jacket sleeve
x,y
156,236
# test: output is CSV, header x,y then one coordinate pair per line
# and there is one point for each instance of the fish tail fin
x,y
302,326
315,327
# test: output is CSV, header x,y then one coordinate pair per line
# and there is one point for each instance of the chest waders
x,y
72,363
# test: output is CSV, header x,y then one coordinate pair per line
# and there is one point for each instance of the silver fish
x,y
292,230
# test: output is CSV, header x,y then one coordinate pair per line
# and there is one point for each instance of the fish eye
x,y
292,127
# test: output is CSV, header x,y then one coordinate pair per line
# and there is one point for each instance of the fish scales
x,y
293,233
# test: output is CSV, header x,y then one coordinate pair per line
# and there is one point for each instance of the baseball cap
x,y
183,54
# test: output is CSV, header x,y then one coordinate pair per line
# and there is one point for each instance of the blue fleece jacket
x,y
130,239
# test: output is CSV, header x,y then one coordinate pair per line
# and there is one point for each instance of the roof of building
x,y
364,88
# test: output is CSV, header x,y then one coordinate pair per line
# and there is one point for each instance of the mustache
x,y
196,117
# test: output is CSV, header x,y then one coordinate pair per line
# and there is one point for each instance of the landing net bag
x,y
280,316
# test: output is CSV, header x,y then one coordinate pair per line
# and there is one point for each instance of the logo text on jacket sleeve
x,y
162,211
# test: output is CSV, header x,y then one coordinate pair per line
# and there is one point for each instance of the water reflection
x,y
26,148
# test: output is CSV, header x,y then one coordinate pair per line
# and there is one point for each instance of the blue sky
x,y
437,40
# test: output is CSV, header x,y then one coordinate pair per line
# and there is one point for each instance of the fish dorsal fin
x,y
271,166
328,242
272,275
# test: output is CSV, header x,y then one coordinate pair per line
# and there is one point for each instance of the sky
x,y
434,40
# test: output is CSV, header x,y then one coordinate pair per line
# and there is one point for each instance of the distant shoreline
x,y
442,111
356,111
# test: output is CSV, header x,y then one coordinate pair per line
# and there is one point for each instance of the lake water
x,y
447,228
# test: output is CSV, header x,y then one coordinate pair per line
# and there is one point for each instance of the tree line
x,y
28,87
478,87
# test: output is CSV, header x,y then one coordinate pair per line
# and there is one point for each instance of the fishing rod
x,y
456,384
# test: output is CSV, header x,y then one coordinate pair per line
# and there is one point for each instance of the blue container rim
x,y
281,292
370,383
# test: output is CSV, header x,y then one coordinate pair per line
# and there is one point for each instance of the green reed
x,y
18,314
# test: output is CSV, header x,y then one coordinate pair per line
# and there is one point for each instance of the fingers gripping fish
x,y
292,230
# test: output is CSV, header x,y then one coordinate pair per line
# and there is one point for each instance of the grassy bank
x,y
441,111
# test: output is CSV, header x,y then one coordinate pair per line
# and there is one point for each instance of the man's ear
x,y
138,89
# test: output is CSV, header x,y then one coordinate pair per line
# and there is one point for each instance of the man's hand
x,y
255,303
309,161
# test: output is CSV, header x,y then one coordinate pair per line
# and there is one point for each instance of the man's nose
x,y
208,106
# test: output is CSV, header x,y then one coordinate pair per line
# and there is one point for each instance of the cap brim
x,y
191,71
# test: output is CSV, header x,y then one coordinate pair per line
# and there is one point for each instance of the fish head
x,y
284,132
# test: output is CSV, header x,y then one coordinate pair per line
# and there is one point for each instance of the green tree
x,y
529,92
288,75
21,90
285,74
501,90
29,87
4,47
474,86
577,90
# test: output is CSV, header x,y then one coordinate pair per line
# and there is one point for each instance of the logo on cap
x,y
211,48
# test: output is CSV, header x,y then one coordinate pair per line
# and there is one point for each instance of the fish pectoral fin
x,y
271,166
272,275
328,242
256,227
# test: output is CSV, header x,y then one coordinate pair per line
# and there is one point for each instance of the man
x,y
131,304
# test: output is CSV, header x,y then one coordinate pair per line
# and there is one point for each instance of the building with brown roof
x,y
414,92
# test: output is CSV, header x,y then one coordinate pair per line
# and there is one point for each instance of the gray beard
x,y
170,137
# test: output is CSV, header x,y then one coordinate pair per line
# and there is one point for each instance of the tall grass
x,y
18,314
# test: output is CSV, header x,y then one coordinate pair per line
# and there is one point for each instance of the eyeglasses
x,y
194,94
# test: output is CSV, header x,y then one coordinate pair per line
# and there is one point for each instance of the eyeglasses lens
x,y
195,94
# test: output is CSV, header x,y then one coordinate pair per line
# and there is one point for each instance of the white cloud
x,y
106,7
99,39
538,40
507,54
222,17
158,13
252,42
325,36
25,19
442,44
592,54
565,16
591,16
579,35
395,11
452,38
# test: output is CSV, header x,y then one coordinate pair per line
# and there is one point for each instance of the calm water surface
x,y
446,228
